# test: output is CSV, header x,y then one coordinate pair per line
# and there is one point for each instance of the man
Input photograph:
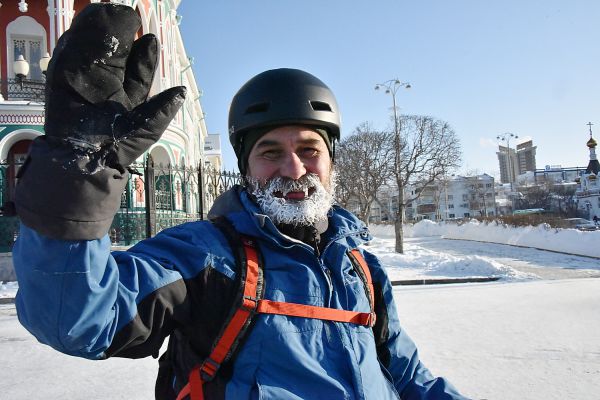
x,y
83,300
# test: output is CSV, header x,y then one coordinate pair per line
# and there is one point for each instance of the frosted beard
x,y
271,198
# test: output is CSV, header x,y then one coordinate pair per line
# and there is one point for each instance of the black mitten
x,y
98,121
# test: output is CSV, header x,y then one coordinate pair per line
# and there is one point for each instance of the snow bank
x,y
8,289
542,237
417,262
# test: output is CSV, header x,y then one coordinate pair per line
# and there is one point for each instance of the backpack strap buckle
x,y
249,303
208,369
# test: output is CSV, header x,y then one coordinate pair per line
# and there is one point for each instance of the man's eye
x,y
309,152
271,154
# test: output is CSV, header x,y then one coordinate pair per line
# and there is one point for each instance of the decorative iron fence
x,y
155,197
26,89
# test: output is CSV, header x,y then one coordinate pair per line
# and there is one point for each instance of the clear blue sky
x,y
530,67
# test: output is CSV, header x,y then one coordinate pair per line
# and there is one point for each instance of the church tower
x,y
588,192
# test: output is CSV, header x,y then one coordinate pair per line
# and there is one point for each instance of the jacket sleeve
x,y
83,300
396,350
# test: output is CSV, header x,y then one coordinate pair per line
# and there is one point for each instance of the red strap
x,y
368,280
207,371
306,311
243,313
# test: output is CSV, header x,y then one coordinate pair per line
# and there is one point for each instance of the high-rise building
x,y
514,162
507,160
526,157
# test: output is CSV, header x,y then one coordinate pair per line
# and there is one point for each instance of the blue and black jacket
x,y
84,300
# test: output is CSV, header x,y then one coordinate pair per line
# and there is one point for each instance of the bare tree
x,y
424,150
363,165
564,199
536,196
440,191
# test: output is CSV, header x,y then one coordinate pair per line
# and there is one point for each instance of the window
x,y
450,205
26,37
451,216
465,197
488,185
466,214
450,197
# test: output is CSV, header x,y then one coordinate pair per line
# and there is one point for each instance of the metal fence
x,y
155,197
25,89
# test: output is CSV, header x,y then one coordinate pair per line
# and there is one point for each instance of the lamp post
x,y
21,69
505,137
391,87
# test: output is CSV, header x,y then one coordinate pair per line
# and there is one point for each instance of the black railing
x,y
26,89
156,197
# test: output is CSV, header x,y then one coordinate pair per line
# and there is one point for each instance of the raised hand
x,y
98,121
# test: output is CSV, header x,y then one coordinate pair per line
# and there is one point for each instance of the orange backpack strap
x,y
315,312
234,328
362,268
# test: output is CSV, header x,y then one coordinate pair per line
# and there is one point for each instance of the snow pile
x,y
8,289
418,262
541,237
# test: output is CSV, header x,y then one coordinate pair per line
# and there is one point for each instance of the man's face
x,y
289,170
289,152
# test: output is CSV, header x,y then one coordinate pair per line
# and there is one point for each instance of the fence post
x,y
149,190
200,192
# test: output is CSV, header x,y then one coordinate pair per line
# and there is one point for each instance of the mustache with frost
x,y
299,202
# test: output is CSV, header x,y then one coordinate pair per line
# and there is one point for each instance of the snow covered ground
x,y
534,334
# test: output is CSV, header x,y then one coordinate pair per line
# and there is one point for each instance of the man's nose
x,y
293,167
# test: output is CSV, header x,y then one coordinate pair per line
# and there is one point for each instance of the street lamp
x,y
391,87
21,69
506,137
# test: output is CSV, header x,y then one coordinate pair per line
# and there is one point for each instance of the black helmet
x,y
282,97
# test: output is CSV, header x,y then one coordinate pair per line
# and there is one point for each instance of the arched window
x,y
27,38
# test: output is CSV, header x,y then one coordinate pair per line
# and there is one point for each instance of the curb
x,y
443,281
